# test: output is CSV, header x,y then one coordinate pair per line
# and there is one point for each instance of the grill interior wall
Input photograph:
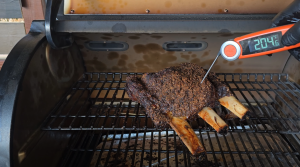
x,y
146,54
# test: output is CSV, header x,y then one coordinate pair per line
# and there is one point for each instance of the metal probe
x,y
210,67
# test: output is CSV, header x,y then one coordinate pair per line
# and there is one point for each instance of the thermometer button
x,y
230,50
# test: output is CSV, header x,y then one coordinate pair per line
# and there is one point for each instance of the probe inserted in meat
x,y
174,94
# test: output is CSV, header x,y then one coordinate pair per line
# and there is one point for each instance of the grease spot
x,y
206,53
168,4
113,55
196,61
133,37
115,69
121,62
202,63
225,61
238,70
193,37
298,81
220,10
154,58
194,55
240,62
204,38
186,57
124,57
94,65
139,48
189,52
231,63
203,5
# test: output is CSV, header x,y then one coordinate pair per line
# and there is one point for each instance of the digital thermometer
x,y
256,44
259,43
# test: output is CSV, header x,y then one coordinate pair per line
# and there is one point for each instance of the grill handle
x,y
56,41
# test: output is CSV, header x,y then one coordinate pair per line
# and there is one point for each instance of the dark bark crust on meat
x,y
177,90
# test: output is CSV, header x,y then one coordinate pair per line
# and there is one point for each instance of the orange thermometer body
x,y
260,43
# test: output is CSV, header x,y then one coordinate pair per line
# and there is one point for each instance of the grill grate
x,y
111,130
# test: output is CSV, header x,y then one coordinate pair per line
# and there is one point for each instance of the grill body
x,y
68,107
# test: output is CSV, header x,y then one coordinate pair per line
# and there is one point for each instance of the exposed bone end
x,y
235,106
214,120
187,135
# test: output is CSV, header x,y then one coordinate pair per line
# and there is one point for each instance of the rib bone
x,y
214,120
235,106
187,135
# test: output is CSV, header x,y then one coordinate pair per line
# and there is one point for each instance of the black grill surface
x,y
111,130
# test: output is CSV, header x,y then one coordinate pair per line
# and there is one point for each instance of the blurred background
x,y
15,20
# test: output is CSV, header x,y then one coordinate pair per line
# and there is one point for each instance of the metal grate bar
x,y
111,130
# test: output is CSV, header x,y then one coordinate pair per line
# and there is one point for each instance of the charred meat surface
x,y
176,90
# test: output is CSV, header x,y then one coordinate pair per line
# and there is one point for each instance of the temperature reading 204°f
x,y
261,43
264,43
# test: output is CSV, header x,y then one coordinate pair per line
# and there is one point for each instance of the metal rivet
x,y
226,10
147,11
72,11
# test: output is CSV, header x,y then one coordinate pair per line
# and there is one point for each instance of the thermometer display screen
x,y
262,43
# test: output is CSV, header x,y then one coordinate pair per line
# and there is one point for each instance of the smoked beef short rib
x,y
177,91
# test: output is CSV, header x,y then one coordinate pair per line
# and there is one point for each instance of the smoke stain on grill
x,y
113,55
156,36
133,37
121,62
168,4
217,67
238,70
154,57
195,61
206,53
231,63
106,38
186,57
124,57
95,65
202,63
